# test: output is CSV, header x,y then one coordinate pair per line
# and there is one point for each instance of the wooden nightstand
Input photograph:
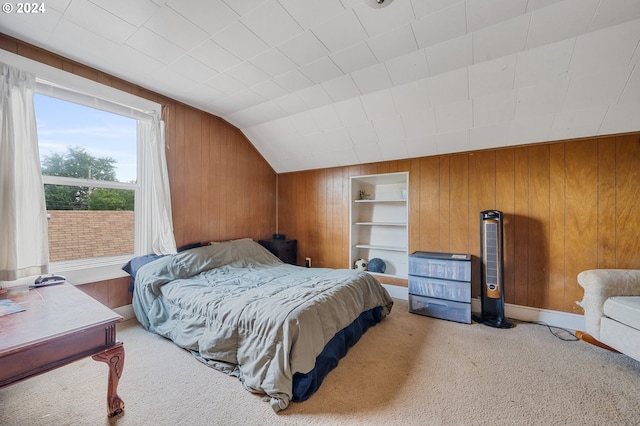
x,y
285,250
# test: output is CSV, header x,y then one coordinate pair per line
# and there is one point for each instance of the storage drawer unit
x,y
285,250
440,285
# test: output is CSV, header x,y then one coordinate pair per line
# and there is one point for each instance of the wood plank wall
x,y
221,187
568,206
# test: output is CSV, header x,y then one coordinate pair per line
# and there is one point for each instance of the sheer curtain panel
x,y
24,247
155,235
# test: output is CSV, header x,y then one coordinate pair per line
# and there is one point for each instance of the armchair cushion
x,y
601,284
624,309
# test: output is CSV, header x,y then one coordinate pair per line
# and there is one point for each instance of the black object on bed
x,y
279,328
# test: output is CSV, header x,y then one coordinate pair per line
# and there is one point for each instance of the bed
x,y
236,307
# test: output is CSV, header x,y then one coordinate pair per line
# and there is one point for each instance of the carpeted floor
x,y
407,370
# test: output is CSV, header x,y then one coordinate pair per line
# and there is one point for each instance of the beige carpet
x,y
407,370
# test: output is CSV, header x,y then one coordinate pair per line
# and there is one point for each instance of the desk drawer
x,y
442,289
439,308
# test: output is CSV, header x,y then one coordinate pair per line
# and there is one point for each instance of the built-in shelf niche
x,y
379,220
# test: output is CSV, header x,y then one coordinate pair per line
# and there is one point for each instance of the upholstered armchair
x,y
611,306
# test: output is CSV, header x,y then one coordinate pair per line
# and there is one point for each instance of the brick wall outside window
x,y
83,234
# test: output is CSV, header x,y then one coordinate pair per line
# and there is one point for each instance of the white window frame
x,y
66,86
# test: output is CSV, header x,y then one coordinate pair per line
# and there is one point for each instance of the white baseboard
x,y
517,312
125,312
397,292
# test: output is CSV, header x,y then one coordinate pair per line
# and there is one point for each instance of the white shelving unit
x,y
379,213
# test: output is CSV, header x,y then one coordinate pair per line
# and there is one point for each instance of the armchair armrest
x,y
599,285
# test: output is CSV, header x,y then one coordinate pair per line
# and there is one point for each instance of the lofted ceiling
x,y
324,83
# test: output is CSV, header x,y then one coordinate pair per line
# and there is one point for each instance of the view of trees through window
x,y
77,163
88,161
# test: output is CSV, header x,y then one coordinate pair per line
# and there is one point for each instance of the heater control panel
x,y
440,285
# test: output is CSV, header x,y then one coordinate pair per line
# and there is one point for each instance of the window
x,y
140,171
89,170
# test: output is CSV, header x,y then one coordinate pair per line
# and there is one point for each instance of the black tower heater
x,y
492,270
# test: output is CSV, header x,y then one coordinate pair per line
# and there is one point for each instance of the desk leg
x,y
114,357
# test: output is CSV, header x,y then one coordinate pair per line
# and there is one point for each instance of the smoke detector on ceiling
x,y
377,4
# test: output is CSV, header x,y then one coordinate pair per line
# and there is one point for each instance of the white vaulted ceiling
x,y
323,83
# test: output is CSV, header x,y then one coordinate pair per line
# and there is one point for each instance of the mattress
x,y
241,310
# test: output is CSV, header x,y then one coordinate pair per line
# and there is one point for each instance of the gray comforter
x,y
239,309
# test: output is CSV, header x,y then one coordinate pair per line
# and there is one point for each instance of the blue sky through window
x,y
102,134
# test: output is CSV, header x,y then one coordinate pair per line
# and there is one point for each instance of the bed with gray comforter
x,y
241,310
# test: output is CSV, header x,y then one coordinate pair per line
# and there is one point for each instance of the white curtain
x,y
24,247
156,233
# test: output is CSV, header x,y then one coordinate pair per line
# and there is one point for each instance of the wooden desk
x,y
60,324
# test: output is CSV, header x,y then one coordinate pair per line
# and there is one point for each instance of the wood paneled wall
x,y
221,187
111,293
568,206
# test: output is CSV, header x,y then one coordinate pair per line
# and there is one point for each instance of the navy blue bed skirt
x,y
305,384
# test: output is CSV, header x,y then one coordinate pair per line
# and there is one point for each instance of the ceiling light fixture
x,y
377,4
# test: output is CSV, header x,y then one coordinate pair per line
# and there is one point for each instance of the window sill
x,y
86,271
90,274
77,274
